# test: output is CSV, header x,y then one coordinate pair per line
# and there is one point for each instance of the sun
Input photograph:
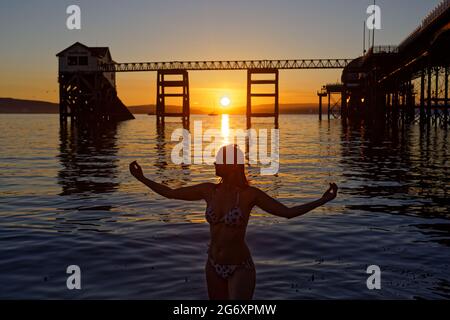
x,y
225,101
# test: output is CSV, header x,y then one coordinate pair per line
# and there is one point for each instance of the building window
x,y
83,61
72,61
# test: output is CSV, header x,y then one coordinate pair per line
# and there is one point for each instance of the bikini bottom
x,y
226,270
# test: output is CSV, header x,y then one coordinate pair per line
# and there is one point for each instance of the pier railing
x,y
428,20
383,49
226,65
436,12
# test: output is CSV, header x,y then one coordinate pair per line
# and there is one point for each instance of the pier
x,y
337,108
405,82
408,81
82,70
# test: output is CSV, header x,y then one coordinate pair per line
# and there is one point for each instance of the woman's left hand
x,y
136,170
331,193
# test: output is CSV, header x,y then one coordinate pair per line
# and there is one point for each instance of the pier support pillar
x,y
387,101
165,89
321,95
63,109
397,103
422,96
410,103
436,90
90,97
343,103
320,107
446,106
274,77
428,114
329,106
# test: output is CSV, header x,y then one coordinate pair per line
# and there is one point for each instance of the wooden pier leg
x,y
186,101
446,106
277,111
343,103
159,98
161,95
429,95
249,99
329,105
436,95
62,101
422,96
410,101
404,110
388,106
395,104
320,107
272,94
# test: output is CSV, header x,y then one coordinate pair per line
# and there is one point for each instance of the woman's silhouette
x,y
230,272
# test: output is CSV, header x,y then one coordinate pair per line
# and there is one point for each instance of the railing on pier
x,y
440,9
386,49
334,87
428,20
226,65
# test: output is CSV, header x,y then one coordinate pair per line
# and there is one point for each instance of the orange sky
x,y
207,87
177,30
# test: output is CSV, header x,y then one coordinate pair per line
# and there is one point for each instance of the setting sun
x,y
225,101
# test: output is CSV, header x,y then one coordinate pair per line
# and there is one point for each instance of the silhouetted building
x,y
86,92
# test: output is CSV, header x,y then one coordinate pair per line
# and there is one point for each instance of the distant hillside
x,y
143,109
11,105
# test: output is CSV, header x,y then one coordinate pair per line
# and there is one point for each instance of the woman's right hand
x,y
331,193
136,170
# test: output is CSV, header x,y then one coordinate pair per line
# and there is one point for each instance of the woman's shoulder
x,y
206,188
250,189
208,185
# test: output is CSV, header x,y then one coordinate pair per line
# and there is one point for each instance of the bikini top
x,y
233,218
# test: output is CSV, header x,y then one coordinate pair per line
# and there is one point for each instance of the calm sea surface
x,y
66,197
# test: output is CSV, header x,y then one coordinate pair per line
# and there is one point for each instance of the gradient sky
x,y
32,32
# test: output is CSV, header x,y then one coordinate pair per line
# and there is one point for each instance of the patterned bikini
x,y
234,218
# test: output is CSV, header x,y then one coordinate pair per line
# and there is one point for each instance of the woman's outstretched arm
x,y
273,206
192,193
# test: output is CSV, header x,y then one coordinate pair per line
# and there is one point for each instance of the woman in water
x,y
230,272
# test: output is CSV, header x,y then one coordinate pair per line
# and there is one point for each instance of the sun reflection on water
x,y
225,129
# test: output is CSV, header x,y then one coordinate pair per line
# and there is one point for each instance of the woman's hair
x,y
233,157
